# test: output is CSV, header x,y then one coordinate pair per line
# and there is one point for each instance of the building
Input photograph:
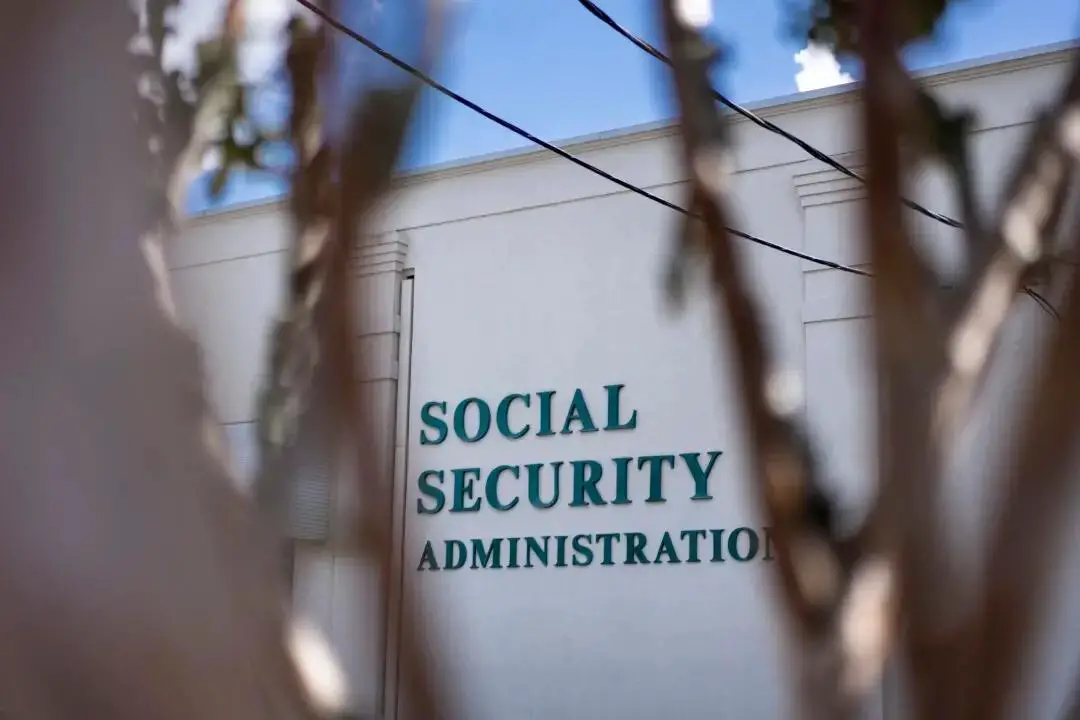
x,y
515,306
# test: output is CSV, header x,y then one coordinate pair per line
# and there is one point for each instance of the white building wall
x,y
531,274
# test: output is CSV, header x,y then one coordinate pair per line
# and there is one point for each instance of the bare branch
x,y
220,88
911,460
944,135
373,141
842,613
906,339
317,325
294,351
1034,199
1038,487
1071,708
132,536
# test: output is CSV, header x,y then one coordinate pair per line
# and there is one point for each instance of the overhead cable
x,y
761,122
436,85
521,132
809,149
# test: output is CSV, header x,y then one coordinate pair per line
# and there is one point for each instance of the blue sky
x,y
552,68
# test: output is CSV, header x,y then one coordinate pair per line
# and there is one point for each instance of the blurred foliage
x,y
834,23
240,143
216,99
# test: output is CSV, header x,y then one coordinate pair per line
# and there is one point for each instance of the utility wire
x,y
1042,302
521,132
753,117
428,80
809,149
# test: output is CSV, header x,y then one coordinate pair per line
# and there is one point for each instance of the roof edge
x,y
971,69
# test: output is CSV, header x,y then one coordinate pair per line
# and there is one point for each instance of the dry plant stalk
x,y
826,586
137,580
329,217
174,572
892,586
139,583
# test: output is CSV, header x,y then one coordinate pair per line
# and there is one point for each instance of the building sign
x,y
647,479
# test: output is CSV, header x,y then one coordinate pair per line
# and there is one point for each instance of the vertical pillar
x,y
116,524
379,264
335,586
841,391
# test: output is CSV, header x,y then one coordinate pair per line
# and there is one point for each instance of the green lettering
x,y
583,553
483,420
437,424
534,485
512,561
717,545
607,540
464,490
545,413
560,550
768,544
491,487
656,475
586,474
482,556
428,558
455,555
579,413
533,547
622,480
751,544
427,489
701,476
667,549
502,416
692,537
613,422
635,549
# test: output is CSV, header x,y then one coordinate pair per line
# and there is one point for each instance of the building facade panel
x,y
547,304
515,317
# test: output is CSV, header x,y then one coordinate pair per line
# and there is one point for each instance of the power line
x,y
428,80
809,149
521,132
1042,302
761,122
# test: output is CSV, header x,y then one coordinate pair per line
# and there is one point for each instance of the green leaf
x,y
834,23
217,183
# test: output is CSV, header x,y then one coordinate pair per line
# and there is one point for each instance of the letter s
x,y
438,424
427,489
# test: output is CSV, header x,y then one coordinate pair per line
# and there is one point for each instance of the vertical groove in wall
x,y
242,438
390,705
314,468
830,296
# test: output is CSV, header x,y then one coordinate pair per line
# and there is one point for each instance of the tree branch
x,y
907,341
1038,488
294,347
838,597
131,538
317,324
1034,199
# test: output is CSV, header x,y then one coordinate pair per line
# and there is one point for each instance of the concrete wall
x,y
528,274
